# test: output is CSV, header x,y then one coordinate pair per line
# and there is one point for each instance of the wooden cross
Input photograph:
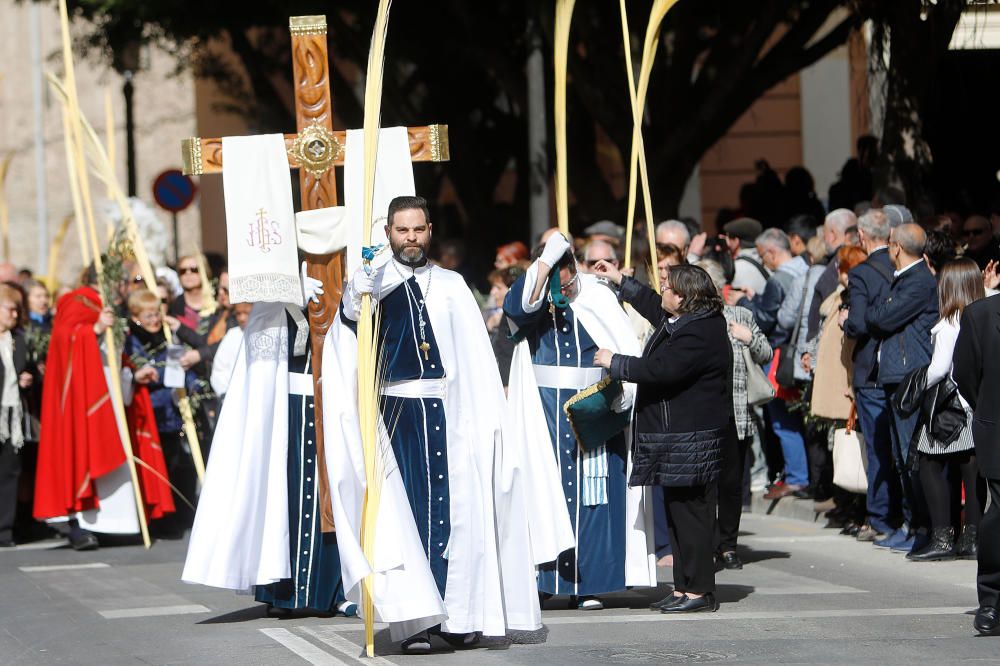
x,y
315,150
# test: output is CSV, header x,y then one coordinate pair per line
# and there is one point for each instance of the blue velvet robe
x,y
315,561
597,564
417,426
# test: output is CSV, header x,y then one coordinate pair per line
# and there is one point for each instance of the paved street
x,y
806,595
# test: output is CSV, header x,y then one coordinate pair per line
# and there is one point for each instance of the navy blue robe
x,y
597,564
315,562
417,426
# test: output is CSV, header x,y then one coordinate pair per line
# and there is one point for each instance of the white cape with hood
x,y
600,314
491,582
240,533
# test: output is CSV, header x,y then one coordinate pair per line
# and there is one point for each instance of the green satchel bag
x,y
591,415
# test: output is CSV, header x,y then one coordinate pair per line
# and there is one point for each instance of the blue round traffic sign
x,y
173,191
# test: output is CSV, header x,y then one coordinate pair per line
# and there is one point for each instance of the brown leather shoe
x,y
869,533
784,490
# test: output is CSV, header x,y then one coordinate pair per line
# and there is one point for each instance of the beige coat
x,y
831,380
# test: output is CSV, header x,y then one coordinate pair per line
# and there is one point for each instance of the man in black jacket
x,y
868,286
976,369
902,324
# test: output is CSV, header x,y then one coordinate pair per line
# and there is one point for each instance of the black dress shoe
x,y
731,560
668,600
86,541
987,621
702,604
7,543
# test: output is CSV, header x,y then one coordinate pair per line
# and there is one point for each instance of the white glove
x,y
362,283
312,288
555,247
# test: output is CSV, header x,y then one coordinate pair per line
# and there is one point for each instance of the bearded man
x,y
452,512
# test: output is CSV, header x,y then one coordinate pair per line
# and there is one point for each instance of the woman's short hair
x,y
11,293
849,256
960,282
507,276
816,249
670,251
142,299
514,252
696,289
940,248
715,271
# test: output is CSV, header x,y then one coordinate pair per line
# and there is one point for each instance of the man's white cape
x,y
492,552
600,314
240,533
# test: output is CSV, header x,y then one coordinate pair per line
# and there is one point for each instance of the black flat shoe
x,y
966,548
668,600
86,541
987,621
730,560
703,604
417,644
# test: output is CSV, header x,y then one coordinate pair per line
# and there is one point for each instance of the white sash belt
x,y
417,388
567,377
300,383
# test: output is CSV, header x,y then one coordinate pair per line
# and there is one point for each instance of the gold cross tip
x,y
307,25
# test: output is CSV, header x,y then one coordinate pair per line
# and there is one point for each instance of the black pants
x,y
820,463
181,472
942,477
691,519
10,473
988,579
730,490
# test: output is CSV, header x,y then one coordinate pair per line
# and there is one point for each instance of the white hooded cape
x,y
240,533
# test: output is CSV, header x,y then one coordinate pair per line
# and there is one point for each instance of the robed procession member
x,y
563,318
684,415
82,474
258,521
452,551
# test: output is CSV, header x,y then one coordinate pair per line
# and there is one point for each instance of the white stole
x,y
260,221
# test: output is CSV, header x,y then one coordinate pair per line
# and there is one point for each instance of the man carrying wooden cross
x,y
264,514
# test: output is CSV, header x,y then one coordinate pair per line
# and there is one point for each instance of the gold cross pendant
x,y
425,347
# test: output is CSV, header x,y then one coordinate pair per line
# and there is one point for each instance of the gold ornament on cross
x,y
316,148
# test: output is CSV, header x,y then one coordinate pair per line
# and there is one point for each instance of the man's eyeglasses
x,y
186,270
975,232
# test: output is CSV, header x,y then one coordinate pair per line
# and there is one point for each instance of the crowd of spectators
x,y
852,315
194,305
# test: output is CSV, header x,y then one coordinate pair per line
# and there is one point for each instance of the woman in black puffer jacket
x,y
683,411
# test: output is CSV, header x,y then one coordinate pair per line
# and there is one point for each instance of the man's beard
x,y
410,255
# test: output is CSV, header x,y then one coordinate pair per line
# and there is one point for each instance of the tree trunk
x,y
910,87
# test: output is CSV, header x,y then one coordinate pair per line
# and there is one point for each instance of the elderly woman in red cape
x,y
81,461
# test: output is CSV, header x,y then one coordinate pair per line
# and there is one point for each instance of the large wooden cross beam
x,y
315,150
